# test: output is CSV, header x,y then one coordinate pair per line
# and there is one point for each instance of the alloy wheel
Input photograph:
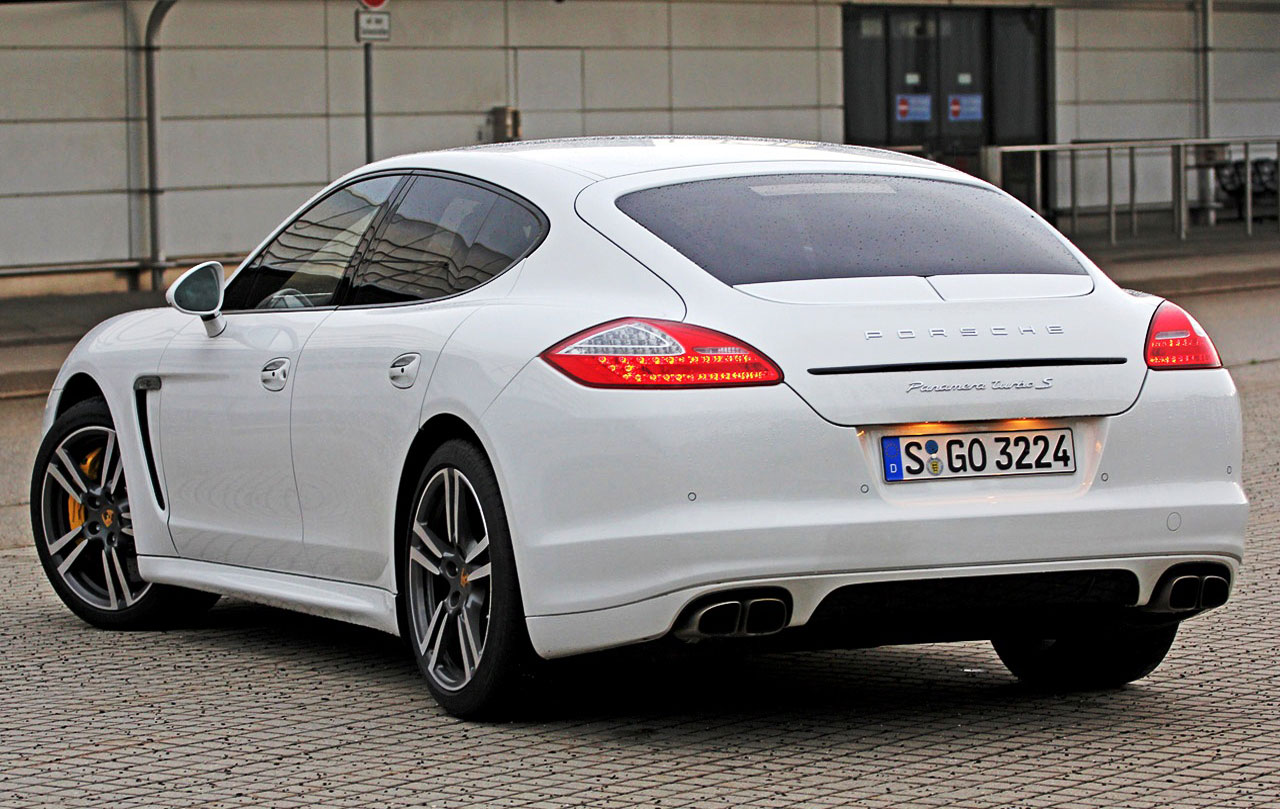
x,y
87,525
449,579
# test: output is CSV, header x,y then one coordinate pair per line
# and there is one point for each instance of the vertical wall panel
x,y
263,101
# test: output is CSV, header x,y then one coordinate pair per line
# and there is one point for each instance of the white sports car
x,y
539,399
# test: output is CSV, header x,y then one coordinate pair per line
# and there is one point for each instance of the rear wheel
x,y
465,620
1102,658
83,526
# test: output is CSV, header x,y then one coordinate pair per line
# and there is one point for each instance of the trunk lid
x,y
930,359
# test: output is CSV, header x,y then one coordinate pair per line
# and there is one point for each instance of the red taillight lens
x,y
1175,340
642,353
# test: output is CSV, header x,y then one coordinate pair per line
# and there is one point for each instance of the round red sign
x,y
373,5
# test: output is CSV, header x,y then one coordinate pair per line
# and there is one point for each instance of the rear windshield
x,y
792,227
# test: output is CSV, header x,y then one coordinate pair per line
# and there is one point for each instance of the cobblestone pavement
x,y
259,707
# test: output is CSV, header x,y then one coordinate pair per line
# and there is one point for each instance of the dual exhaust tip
x,y
1187,592
727,616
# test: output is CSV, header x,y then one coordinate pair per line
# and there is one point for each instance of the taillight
x,y
1175,340
642,353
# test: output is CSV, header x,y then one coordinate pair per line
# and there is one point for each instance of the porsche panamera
x,y
539,399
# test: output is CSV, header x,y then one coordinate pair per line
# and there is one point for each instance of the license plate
x,y
972,455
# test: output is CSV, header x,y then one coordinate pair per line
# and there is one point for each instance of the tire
x,y
464,619
1103,658
83,530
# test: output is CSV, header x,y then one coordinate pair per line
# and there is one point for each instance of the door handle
x,y
275,374
404,370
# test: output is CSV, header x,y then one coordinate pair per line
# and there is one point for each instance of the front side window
x,y
303,266
794,227
444,237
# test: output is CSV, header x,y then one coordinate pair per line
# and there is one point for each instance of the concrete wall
x,y
1135,73
262,100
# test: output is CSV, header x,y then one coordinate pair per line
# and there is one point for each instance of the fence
x,y
1245,182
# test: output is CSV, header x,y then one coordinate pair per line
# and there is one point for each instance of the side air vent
x,y
142,387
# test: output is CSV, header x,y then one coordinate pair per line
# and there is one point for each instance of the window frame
x,y
345,290
357,258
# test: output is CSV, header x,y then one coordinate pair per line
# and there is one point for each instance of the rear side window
x,y
793,227
443,238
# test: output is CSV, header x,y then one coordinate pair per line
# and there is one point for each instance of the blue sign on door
x,y
964,107
913,107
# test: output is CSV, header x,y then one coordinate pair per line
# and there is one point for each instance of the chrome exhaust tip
x,y
765,616
719,620
1183,593
1191,588
735,614
1214,591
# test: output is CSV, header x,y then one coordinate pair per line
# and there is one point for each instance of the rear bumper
x,y
659,497
573,633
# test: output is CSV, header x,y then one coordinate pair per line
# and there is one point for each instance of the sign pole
x,y
372,25
368,102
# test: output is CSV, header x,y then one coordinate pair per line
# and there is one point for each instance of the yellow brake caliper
x,y
75,510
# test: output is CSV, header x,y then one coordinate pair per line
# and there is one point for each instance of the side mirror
x,y
198,291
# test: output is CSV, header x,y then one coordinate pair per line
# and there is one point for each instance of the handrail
x,y
1140,143
992,169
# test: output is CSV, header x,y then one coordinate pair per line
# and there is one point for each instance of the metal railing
x,y
132,271
1209,156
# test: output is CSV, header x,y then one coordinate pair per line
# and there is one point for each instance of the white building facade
x,y
261,101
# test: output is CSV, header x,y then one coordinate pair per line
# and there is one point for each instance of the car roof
x,y
614,156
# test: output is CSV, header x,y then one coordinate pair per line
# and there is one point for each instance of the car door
x,y
224,401
364,372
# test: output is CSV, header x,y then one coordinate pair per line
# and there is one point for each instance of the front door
x,y
224,439
224,424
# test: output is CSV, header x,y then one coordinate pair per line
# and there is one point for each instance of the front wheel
x,y
83,526
1106,657
465,620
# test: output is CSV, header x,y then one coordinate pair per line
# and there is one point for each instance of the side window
x,y
445,237
507,234
303,266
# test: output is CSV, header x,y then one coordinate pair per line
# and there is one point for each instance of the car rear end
x,y
899,407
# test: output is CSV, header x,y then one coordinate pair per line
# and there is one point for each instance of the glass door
x,y
944,82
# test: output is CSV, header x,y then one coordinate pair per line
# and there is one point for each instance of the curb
x,y
27,340
1205,283
27,384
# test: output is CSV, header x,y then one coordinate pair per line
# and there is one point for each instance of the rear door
x,y
360,384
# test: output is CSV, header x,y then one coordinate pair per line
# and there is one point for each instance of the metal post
x,y
1133,191
368,102
992,165
1179,178
1037,182
1206,69
1204,173
1248,191
156,261
1075,209
1111,194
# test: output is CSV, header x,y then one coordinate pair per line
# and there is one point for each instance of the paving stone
x,y
263,708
